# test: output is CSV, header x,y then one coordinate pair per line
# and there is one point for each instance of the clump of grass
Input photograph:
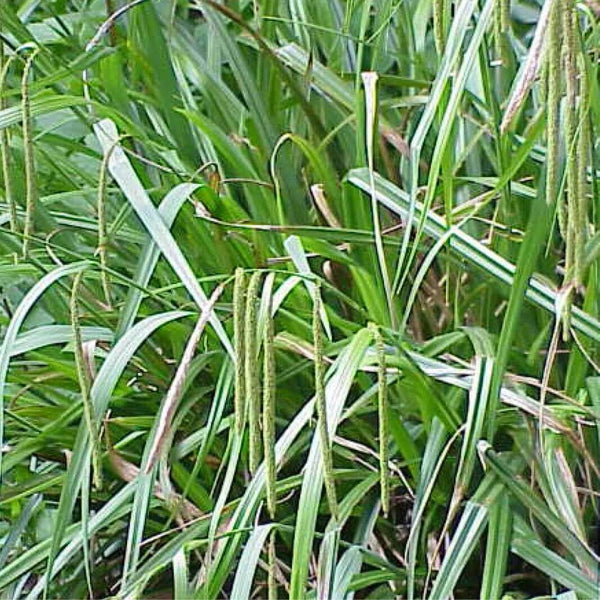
x,y
197,89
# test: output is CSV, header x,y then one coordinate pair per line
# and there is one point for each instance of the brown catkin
x,y
321,404
553,103
252,371
269,390
84,382
239,326
382,405
583,153
31,193
7,173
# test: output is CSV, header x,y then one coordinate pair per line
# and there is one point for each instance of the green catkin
x,y
239,324
84,382
382,404
269,390
252,371
438,26
553,103
320,400
272,581
501,26
569,25
5,146
269,410
583,151
504,15
103,231
31,193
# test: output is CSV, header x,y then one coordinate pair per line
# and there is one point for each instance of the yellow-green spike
x,y
252,371
269,412
382,404
239,326
31,193
321,404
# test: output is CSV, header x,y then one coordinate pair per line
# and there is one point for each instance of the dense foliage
x,y
299,299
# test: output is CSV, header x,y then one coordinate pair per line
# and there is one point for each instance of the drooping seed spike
x,y
84,381
569,26
438,27
583,154
252,371
7,170
269,390
321,403
553,103
103,229
31,193
382,405
239,325
272,580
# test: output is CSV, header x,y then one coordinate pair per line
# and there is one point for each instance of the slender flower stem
x,y
7,173
321,404
31,194
84,382
382,405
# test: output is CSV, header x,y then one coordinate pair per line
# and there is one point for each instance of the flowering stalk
x,y
239,325
382,405
320,400
252,372
84,382
31,194
269,411
5,146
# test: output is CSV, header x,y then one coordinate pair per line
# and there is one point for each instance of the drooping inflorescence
x,y
7,167
382,409
102,229
239,325
84,381
553,96
268,420
574,217
321,403
31,190
252,371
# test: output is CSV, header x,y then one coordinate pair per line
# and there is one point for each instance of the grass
x,y
299,299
